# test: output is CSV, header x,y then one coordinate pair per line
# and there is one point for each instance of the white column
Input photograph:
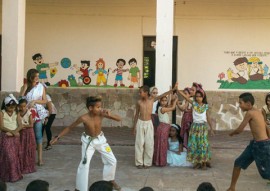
x,y
164,40
13,37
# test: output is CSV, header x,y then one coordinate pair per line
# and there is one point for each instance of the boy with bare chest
x,y
143,128
93,139
259,148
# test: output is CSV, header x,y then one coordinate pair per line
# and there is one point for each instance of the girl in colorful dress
x,y
266,110
27,139
155,120
186,107
162,133
175,154
10,125
198,145
36,97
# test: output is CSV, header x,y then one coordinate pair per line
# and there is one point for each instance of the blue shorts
x,y
118,77
258,151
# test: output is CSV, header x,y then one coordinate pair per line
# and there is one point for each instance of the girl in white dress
x,y
175,154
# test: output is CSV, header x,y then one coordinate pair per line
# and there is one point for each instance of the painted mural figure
x,y
120,63
241,76
42,67
265,72
255,70
100,71
84,72
134,73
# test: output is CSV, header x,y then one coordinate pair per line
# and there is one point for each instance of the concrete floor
x,y
62,161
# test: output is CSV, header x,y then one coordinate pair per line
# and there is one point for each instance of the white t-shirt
x,y
199,112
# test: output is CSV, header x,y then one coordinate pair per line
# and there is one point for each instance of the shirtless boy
x,y
93,139
258,148
143,127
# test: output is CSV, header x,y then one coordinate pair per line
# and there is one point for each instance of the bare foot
x,y
115,185
40,163
197,166
208,164
231,189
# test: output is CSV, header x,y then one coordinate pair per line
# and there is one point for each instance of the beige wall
x,y
96,30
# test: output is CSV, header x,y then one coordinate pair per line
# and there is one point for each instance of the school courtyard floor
x,y
61,165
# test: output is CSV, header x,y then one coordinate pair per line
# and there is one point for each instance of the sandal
x,y
140,167
48,147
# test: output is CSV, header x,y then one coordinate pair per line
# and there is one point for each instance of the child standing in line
x,y
49,121
27,139
258,149
266,110
154,115
198,145
186,107
93,139
143,128
10,125
162,133
175,154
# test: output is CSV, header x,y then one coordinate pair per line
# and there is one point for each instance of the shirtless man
x,y
93,139
143,127
259,148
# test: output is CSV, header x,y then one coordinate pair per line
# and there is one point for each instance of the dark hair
x,y
240,61
22,100
206,186
247,97
147,188
40,185
87,62
35,56
145,88
266,98
30,77
197,85
158,104
132,60
3,186
92,100
179,138
101,185
202,93
121,60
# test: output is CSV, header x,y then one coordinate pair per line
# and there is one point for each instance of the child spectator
x,y
175,154
49,121
206,186
198,145
27,139
38,185
93,139
266,110
101,186
186,107
162,133
10,125
143,128
258,149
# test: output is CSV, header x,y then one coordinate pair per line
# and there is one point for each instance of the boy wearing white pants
x,y
93,139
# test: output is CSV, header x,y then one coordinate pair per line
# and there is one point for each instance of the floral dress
x,y
198,145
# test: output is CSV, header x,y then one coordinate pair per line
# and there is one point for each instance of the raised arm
x,y
244,123
170,108
184,95
67,130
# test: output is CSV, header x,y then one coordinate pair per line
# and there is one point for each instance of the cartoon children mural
x,y
255,70
84,72
120,63
42,67
265,72
241,76
100,71
134,73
